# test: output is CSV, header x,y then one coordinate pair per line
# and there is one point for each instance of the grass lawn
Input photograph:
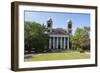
x,y
58,56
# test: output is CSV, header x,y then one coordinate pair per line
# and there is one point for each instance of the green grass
x,y
58,56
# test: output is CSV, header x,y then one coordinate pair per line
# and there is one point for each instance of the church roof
x,y
59,31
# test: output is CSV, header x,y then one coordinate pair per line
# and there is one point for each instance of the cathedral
x,y
59,38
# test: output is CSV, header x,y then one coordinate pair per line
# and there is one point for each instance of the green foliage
x,y
35,38
80,39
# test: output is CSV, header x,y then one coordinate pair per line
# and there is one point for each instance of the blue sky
x,y
59,18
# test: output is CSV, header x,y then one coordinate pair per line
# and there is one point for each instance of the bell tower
x,y
49,25
69,30
69,26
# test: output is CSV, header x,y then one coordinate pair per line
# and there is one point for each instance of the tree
x,y
35,38
80,39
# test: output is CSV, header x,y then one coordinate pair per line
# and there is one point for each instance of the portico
x,y
59,42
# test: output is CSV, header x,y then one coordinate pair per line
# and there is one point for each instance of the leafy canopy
x,y
34,36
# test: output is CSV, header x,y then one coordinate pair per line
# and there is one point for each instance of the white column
x,y
50,43
64,43
68,43
57,43
53,42
60,42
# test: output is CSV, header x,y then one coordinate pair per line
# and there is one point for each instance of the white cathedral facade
x,y
59,38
